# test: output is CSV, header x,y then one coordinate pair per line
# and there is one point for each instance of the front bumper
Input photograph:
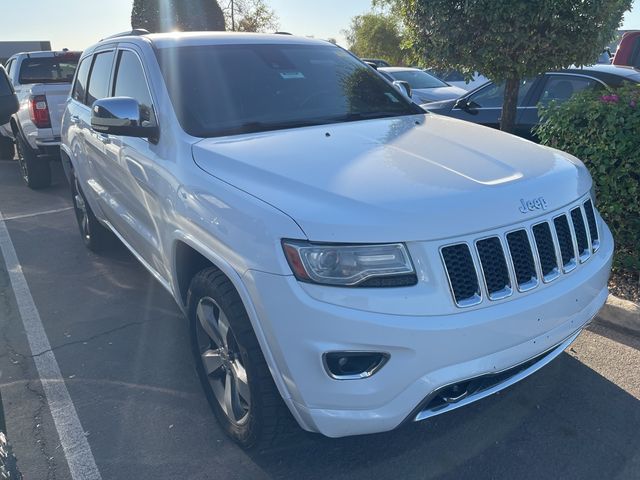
x,y
426,352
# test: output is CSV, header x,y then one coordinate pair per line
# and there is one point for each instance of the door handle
x,y
104,138
74,119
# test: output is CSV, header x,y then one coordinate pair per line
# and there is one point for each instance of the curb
x,y
620,313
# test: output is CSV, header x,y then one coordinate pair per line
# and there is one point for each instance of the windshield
x,y
418,79
48,69
230,89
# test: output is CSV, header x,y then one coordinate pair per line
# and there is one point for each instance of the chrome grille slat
x,y
593,226
462,275
517,260
546,251
494,268
565,242
580,234
524,264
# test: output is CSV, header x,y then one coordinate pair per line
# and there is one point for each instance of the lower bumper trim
x,y
459,394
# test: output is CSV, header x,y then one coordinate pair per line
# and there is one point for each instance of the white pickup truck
x,y
42,81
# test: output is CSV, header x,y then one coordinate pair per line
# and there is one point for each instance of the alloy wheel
x,y
222,361
81,211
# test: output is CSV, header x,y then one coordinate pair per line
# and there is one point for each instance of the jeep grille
x,y
525,257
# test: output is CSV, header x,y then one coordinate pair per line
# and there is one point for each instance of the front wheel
x,y
96,237
230,364
35,171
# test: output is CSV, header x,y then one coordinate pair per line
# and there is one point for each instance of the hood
x,y
412,178
437,94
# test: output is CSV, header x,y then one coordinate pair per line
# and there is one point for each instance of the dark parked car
x,y
484,104
377,62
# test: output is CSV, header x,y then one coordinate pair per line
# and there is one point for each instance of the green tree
x,y
250,16
376,35
508,40
183,15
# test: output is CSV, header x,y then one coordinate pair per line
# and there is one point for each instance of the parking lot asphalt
x,y
123,350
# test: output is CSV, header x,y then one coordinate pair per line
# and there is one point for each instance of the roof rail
x,y
134,32
283,33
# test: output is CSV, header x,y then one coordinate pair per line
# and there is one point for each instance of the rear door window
x,y
560,88
80,86
100,77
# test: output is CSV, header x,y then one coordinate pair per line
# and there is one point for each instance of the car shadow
x,y
566,421
617,334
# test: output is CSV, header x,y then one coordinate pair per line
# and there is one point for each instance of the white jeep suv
x,y
343,257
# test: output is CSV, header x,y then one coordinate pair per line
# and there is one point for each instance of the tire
x,y
35,172
7,150
8,464
96,237
259,416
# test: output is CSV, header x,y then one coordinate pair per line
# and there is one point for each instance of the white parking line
x,y
36,214
76,448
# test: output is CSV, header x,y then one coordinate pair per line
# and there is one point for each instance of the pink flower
x,y
610,98
632,104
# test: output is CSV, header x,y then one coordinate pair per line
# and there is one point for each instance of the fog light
x,y
353,365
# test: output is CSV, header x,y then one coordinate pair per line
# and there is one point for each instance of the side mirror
x,y
8,99
462,104
121,116
403,86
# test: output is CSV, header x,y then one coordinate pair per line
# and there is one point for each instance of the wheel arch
x,y
15,128
188,256
67,165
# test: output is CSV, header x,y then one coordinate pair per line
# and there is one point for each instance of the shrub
x,y
603,130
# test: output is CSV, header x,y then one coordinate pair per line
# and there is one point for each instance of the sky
x,y
76,24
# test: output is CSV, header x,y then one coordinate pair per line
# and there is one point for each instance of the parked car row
x,y
42,81
346,261
484,104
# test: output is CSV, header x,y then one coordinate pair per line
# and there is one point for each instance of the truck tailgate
x,y
57,94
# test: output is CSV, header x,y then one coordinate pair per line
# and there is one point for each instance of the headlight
x,y
351,265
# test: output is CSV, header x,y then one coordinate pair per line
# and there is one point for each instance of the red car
x,y
628,52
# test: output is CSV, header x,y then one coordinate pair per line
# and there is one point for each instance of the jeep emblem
x,y
532,205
